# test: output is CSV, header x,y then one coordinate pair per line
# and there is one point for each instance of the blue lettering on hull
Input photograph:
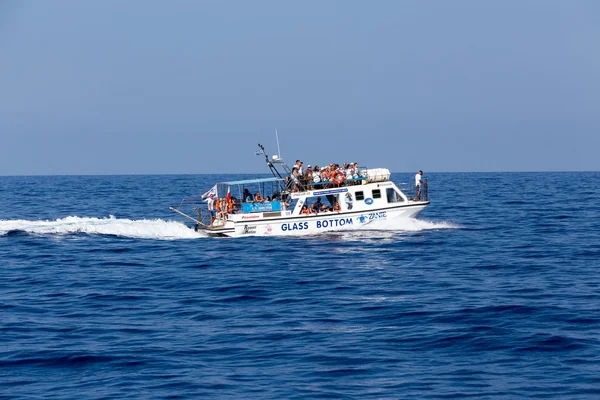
x,y
296,226
333,223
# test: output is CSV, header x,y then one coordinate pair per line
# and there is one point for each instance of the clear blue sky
x,y
141,86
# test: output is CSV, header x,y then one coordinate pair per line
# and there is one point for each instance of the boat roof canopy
x,y
251,181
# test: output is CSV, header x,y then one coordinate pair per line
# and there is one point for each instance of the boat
x,y
286,205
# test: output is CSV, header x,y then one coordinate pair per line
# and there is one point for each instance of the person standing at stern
x,y
418,183
211,207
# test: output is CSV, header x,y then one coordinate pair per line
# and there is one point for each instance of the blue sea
x,y
493,292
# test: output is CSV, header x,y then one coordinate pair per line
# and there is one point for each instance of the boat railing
x,y
330,184
418,195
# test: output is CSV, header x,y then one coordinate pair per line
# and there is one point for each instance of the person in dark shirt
x,y
248,196
318,204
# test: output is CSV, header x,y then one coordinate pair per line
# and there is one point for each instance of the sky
x,y
191,87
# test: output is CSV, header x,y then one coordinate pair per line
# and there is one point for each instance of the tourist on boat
x,y
224,209
314,209
336,207
285,203
258,198
211,207
355,173
297,178
308,176
217,205
318,204
299,168
220,209
304,210
294,176
325,174
348,172
316,177
248,196
418,182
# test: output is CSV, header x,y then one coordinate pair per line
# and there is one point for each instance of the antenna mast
x,y
269,163
277,137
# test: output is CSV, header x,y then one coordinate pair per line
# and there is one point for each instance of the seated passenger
x,y
318,204
248,196
325,175
336,207
355,173
317,177
314,209
257,198
304,210
308,176
234,206
348,171
222,209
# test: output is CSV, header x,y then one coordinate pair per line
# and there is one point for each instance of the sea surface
x,y
493,292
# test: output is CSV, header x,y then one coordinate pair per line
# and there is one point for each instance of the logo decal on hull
x,y
363,219
249,229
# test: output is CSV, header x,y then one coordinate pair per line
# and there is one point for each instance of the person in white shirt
x,y
211,207
316,175
418,182
299,167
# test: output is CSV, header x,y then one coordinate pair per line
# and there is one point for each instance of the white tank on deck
x,y
376,174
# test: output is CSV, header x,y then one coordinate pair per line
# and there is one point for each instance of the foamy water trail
x,y
409,225
170,230
387,230
141,229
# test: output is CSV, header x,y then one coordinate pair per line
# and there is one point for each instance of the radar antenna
x,y
274,170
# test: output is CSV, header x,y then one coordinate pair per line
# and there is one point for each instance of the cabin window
x,y
376,194
321,203
359,195
393,196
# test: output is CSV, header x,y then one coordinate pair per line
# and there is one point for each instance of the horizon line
x,y
266,173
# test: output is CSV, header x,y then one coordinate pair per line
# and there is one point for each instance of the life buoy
x,y
338,177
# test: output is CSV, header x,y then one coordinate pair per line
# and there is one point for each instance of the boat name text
x,y
328,223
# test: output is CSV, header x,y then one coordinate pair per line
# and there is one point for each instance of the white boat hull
x,y
317,223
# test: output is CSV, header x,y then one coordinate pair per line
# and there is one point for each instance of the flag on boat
x,y
213,190
228,197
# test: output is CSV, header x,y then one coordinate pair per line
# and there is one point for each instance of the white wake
x,y
140,229
408,225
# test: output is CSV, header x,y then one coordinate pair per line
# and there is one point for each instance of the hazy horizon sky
x,y
144,87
